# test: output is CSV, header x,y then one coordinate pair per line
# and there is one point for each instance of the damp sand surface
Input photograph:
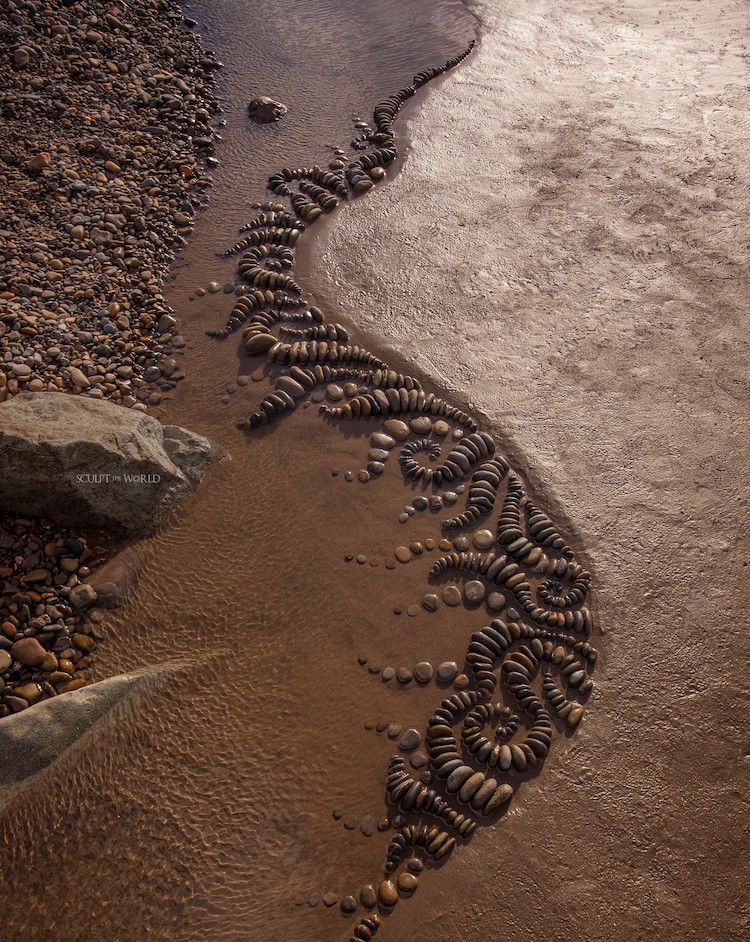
x,y
565,247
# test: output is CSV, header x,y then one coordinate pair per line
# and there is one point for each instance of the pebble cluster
x,y
475,749
106,140
48,629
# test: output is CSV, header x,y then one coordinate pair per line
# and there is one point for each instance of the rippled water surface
x,y
203,811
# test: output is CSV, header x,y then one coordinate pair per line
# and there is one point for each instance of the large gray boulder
x,y
91,464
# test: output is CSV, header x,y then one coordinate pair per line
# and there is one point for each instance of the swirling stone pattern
x,y
478,750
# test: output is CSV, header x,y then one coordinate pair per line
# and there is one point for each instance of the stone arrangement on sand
x,y
477,749
102,165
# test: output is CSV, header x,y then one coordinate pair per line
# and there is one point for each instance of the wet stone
x,y
402,518
430,603
410,740
474,591
450,497
348,476
330,899
429,544
436,503
484,539
348,904
363,476
394,730
404,675
368,897
461,543
406,883
387,893
377,454
421,425
419,759
420,503
447,672
452,595
440,428
414,865
380,440
397,429
388,674
402,554
423,672
334,392
461,682
444,544
368,825
417,548
375,467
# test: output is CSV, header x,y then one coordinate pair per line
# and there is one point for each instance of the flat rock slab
x,y
89,463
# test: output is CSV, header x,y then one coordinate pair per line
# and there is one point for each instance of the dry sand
x,y
567,244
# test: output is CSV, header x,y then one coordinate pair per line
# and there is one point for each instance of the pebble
x,y
419,759
484,539
450,497
388,674
452,595
421,425
334,392
429,544
461,543
423,672
368,897
397,429
361,559
447,672
363,476
387,893
474,591
430,603
348,904
368,825
394,730
314,900
406,883
445,544
28,652
402,554
461,682
414,865
436,503
495,602
380,440
412,611
410,739
417,548
351,823
420,503
404,675
330,899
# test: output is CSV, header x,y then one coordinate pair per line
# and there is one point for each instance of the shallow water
x,y
206,813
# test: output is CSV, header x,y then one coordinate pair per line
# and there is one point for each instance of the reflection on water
x,y
206,812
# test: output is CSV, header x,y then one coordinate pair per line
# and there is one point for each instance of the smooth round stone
x,y
318,395
368,897
363,476
414,865
484,539
29,692
367,827
374,561
361,559
423,672
243,380
348,904
410,740
334,392
397,429
348,476
387,893
495,602
406,883
444,544
335,472
337,813
412,611
381,727
461,682
402,518
388,674
380,440
430,603
450,497
420,503
394,730
28,652
461,543
351,823
417,547
5,661
314,900
375,467
350,389
452,595
409,509
458,433
447,672
404,675
421,425
374,668
330,899
419,759
429,544
402,554
474,591
436,503
461,488
214,287
440,428
377,454
390,564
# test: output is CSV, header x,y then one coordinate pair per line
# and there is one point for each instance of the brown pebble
x,y
461,682
407,883
374,560
423,672
452,595
368,897
363,475
348,904
330,899
404,675
402,554
351,823
445,545
367,827
412,611
387,893
429,544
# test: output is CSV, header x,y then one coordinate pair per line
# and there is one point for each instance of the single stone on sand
x,y
420,503
404,675
329,899
407,883
452,595
414,865
368,897
363,475
461,543
402,554
379,440
474,591
314,900
334,392
444,544
387,893
337,813
461,682
388,674
423,672
447,672
450,497
361,559
495,601
348,904
436,503
420,425
430,603
410,740
429,544
412,611
416,547
441,428
350,823
394,730
483,539
397,429
419,759
367,827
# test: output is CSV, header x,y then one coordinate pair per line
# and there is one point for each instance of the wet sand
x,y
565,246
